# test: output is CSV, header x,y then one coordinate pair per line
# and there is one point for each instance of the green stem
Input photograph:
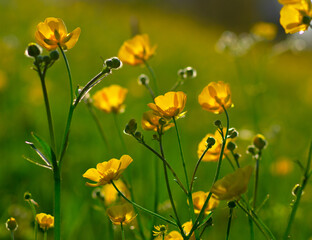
x,y
168,187
45,235
69,76
150,69
252,234
229,224
224,138
47,105
148,87
119,132
142,208
122,232
304,181
236,160
34,212
12,235
110,229
156,194
256,180
230,162
57,203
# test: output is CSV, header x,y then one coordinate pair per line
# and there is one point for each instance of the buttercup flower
x,y
296,17
199,199
111,195
160,231
214,96
264,30
169,105
11,224
110,99
121,214
212,155
282,167
150,121
232,185
107,171
52,33
136,50
45,221
175,235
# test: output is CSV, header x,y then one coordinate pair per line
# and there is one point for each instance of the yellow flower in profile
x,y
121,214
212,155
264,30
199,199
175,235
110,99
232,185
107,171
296,17
111,195
214,96
150,121
169,105
45,221
52,33
136,50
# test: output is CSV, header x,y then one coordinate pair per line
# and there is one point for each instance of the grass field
x,y
271,94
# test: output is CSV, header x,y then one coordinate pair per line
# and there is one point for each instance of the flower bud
x,y
190,72
27,196
210,141
218,123
46,59
232,133
295,190
54,55
162,121
11,224
113,63
143,79
33,50
259,141
251,149
231,204
138,135
237,156
231,146
181,73
131,127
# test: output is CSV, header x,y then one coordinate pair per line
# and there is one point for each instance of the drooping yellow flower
x,y
214,96
107,171
136,50
169,105
110,99
212,155
150,121
121,214
111,195
175,235
52,33
199,199
296,17
232,185
264,30
45,221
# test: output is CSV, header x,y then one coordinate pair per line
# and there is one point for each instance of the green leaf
x,y
41,155
36,163
46,149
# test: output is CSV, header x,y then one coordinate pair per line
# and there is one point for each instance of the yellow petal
x,y
74,38
92,174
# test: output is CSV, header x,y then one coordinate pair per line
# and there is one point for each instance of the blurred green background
x,y
271,89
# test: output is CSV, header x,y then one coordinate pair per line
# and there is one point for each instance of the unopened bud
x,y
232,133
131,127
210,141
162,121
138,135
143,79
218,123
259,141
46,59
251,149
33,50
190,72
231,146
237,156
11,224
27,196
181,73
54,55
295,190
231,204
113,63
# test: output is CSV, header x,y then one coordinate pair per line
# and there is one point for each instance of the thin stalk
x,y
256,181
110,229
150,69
98,124
156,193
168,187
122,232
69,76
252,234
304,181
57,203
47,105
119,132
150,90
236,161
34,212
12,235
230,162
45,235
229,224
142,208
224,138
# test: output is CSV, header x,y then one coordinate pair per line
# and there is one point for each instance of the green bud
x,y
232,133
190,72
54,55
210,141
236,156
33,50
155,137
11,224
39,59
27,196
259,141
231,204
131,127
181,73
143,79
46,59
138,135
251,149
113,63
162,121
231,146
218,123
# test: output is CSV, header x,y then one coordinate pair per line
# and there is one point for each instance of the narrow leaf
x,y
36,163
47,150
41,155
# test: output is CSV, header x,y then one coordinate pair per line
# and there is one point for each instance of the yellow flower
x,y
150,121
282,167
264,30
175,235
107,171
212,155
214,96
45,221
285,2
169,105
110,99
11,224
199,199
136,50
121,214
296,17
160,231
52,33
232,185
111,195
